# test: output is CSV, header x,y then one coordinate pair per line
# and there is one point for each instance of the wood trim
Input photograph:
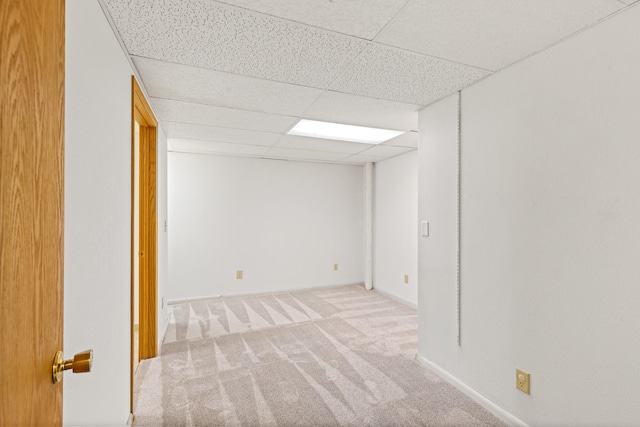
x,y
143,113
32,62
132,249
147,288
148,245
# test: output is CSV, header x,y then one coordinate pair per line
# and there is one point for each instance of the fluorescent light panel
x,y
342,132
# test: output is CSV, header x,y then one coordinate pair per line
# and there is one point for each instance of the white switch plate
x,y
424,228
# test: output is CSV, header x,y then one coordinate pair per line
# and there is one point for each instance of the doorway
x,y
144,240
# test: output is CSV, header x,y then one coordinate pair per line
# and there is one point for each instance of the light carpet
x,y
322,357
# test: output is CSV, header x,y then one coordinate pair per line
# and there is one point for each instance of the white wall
x,y
395,227
98,217
550,232
162,208
283,223
437,186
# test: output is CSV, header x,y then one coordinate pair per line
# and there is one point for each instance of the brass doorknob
x,y
81,362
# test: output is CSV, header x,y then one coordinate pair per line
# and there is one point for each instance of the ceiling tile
x,y
198,146
407,139
186,112
319,144
292,154
218,134
401,76
191,84
385,151
489,34
220,37
231,76
376,154
359,18
359,110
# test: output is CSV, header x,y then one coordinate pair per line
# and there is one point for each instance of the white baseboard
x,y
243,294
286,291
130,421
396,298
164,334
192,299
505,416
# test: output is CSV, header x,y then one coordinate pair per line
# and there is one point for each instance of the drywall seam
x,y
368,225
458,173
496,410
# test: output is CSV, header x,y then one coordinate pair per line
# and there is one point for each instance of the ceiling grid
x,y
233,76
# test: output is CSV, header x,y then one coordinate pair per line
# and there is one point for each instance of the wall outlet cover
x,y
523,381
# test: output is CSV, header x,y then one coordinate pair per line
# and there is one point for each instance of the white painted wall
x,y
162,208
395,227
98,217
283,223
437,183
550,232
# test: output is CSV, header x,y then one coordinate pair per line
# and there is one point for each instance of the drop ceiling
x,y
232,77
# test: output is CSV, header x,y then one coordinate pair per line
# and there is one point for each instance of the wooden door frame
x,y
148,234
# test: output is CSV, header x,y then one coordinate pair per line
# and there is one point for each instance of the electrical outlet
x,y
238,274
523,381
406,278
335,267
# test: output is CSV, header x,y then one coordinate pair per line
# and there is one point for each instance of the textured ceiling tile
x,y
197,146
376,154
292,154
186,112
218,134
407,139
359,18
385,151
489,34
319,144
198,85
358,110
401,76
212,35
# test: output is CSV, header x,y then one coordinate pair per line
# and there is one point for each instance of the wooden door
x,y
31,209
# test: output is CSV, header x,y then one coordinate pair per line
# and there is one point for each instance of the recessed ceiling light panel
x,y
342,132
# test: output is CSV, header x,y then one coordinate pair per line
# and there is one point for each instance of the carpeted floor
x,y
324,357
